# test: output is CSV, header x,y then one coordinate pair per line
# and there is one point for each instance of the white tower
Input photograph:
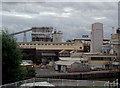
x,y
97,37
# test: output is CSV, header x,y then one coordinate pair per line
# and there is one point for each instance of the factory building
x,y
57,36
115,41
99,60
42,34
96,37
87,41
42,52
107,49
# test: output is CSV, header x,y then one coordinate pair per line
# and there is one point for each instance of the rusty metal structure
x,y
43,34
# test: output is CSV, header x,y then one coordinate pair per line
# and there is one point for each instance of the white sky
x,y
74,19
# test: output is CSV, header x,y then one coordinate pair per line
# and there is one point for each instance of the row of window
x,y
46,44
100,58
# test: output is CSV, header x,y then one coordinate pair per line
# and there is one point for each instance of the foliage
x,y
11,59
31,72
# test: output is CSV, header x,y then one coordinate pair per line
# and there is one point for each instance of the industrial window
x,y
30,44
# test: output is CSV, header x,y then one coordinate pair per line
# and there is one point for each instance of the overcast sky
x,y
74,19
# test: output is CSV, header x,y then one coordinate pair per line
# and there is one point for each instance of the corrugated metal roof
x,y
66,62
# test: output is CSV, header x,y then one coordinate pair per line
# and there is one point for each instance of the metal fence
x,y
113,84
63,82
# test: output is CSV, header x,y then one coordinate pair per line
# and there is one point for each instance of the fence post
x,y
62,81
93,83
117,84
33,82
16,84
109,85
24,82
77,83
48,79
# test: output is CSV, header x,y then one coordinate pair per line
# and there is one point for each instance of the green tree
x,y
11,59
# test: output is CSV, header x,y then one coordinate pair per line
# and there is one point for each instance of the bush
x,y
30,72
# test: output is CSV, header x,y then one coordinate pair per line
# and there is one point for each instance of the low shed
x,y
71,66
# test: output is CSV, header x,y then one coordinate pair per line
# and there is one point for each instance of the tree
x,y
11,59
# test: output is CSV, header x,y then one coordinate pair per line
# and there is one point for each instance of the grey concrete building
x,y
57,36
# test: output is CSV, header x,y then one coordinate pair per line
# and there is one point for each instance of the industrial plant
x,y
60,45
79,58
87,53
